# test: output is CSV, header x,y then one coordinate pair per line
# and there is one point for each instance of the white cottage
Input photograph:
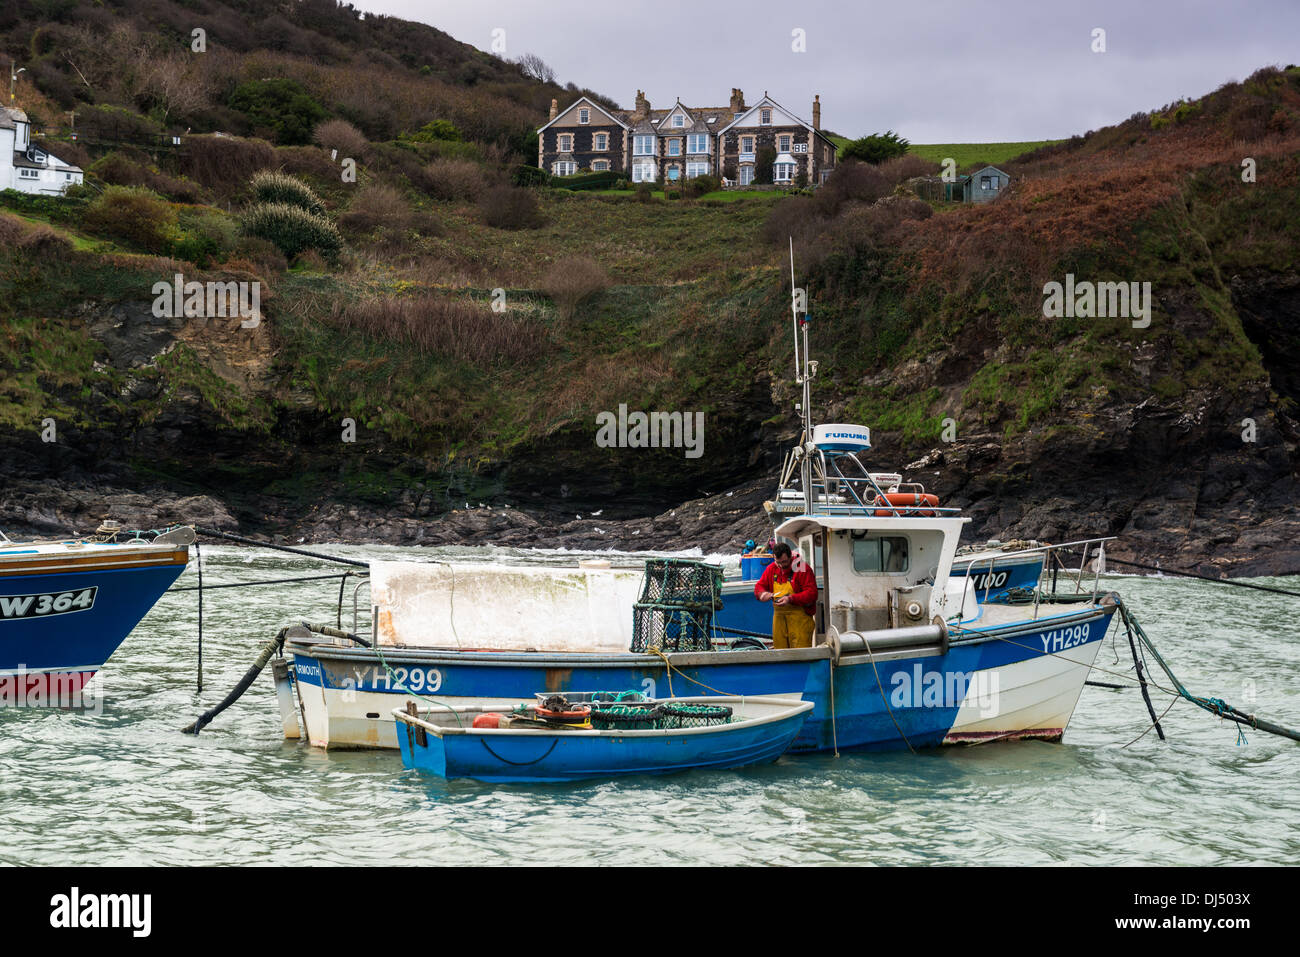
x,y
29,168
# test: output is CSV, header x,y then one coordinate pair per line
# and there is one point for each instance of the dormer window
x,y
678,121
584,115
765,117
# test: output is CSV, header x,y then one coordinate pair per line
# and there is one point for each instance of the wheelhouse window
x,y
880,554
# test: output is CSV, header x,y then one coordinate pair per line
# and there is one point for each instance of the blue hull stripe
x,y
80,640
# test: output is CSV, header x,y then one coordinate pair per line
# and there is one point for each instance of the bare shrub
x,y
510,207
902,168
308,161
796,217
261,255
571,281
119,170
440,326
455,179
224,163
12,229
44,242
382,207
342,136
852,180
311,261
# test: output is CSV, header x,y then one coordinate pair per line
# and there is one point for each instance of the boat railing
x,y
1051,559
865,494
364,579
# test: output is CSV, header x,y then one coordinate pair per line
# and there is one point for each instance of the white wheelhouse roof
x,y
809,524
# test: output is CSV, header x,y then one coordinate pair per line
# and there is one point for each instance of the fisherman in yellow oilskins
x,y
790,586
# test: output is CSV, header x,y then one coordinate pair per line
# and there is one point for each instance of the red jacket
x,y
804,582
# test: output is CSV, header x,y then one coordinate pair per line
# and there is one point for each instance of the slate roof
x,y
10,117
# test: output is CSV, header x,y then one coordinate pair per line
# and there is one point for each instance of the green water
x,y
124,786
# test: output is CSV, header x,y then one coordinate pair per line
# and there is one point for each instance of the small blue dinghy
x,y
572,740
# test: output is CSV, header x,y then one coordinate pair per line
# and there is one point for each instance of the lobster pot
x,y
671,581
660,627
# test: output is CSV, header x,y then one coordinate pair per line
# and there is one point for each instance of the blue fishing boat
x,y
677,734
906,651
65,606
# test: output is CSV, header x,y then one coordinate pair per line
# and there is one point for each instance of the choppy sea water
x,y
125,786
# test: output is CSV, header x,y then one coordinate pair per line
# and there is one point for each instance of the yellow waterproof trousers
x,y
792,628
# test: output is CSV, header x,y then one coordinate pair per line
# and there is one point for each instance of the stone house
x,y
681,142
585,137
802,150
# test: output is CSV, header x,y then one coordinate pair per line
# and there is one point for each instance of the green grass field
x,y
970,154
966,154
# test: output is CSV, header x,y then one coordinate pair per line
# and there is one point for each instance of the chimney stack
x,y
642,104
555,108
737,100
817,111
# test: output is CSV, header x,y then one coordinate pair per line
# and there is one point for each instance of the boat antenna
x,y
804,372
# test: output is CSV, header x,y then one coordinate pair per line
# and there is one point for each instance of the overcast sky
x,y
933,71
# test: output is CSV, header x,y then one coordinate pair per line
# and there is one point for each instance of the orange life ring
x,y
579,713
910,503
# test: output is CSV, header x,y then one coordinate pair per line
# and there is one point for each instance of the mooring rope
x,y
269,581
1216,706
880,684
1204,578
217,533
